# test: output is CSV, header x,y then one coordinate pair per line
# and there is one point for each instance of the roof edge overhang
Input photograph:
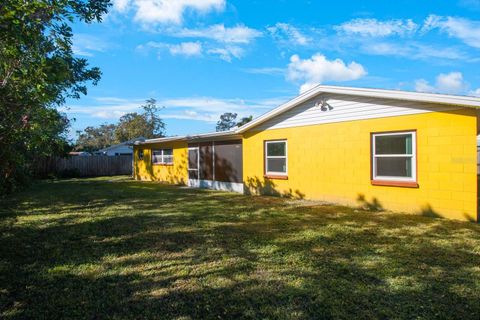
x,y
160,140
216,136
462,101
212,136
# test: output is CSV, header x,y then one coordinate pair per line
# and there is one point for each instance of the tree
x,y
226,122
95,138
244,120
146,124
38,71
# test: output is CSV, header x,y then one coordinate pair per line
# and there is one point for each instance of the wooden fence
x,y
89,166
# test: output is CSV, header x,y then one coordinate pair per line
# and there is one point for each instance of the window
x,y
140,154
394,157
276,158
162,156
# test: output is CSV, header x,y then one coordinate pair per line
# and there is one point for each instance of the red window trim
x,y
405,184
278,177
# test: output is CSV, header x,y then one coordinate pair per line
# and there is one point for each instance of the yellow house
x,y
402,151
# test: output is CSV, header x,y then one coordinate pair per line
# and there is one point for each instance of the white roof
x,y
464,101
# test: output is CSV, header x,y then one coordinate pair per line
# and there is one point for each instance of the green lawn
x,y
115,248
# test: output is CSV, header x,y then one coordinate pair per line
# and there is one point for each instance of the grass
x,y
120,249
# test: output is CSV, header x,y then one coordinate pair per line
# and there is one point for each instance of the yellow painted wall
x,y
176,173
331,162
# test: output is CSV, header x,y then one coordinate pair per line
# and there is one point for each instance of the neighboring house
x,y
79,154
403,151
121,149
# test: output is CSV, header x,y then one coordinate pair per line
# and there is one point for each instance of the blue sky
x,y
201,58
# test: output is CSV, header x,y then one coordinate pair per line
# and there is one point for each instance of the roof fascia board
x,y
214,138
405,95
223,135
160,140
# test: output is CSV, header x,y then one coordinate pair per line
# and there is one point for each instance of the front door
x,y
193,166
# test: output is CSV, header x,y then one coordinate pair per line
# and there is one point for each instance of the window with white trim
x,y
394,156
276,157
162,156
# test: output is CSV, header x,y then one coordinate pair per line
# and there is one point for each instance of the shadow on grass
x,y
257,186
97,248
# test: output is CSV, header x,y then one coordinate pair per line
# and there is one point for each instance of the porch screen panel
x,y
228,161
206,161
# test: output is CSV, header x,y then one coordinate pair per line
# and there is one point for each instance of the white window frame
x,y
197,149
162,159
276,173
413,157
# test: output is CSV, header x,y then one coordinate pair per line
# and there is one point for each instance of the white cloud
x,y
210,109
227,53
120,5
422,85
191,115
87,45
108,114
370,37
466,30
106,108
376,28
212,104
188,49
319,69
193,108
265,70
150,12
449,83
191,49
239,34
288,34
413,50
225,42
114,100
475,93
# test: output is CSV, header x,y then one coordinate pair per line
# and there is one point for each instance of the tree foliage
x,y
228,121
147,124
244,120
38,71
95,138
